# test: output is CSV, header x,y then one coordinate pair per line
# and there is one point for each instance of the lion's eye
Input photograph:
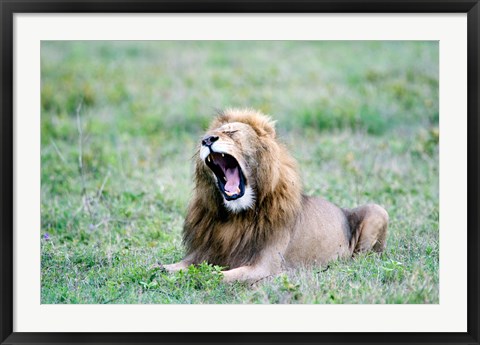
x,y
230,132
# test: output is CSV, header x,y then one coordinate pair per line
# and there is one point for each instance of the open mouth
x,y
231,180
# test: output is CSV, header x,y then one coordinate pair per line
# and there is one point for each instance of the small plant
x,y
289,289
203,276
195,277
393,270
287,285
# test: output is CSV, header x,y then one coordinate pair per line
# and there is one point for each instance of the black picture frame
x,y
9,8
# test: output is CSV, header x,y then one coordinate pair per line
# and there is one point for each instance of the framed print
x,y
239,172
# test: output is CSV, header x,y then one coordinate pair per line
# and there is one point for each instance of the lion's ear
x,y
270,127
264,125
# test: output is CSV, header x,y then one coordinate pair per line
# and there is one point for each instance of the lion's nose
x,y
207,141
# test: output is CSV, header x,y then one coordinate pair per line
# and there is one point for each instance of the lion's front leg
x,y
187,261
176,266
270,263
249,274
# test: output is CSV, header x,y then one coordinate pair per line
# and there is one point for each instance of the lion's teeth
x,y
223,155
208,157
225,178
236,192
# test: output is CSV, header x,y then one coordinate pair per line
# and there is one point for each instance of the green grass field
x,y
120,121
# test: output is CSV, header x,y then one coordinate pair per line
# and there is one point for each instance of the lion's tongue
x,y
233,180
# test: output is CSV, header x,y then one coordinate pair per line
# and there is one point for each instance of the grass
x,y
120,121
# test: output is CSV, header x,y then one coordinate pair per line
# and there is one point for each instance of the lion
x,y
248,213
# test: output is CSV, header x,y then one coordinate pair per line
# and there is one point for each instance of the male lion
x,y
248,212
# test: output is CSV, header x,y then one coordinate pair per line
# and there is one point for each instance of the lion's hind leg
x,y
368,226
